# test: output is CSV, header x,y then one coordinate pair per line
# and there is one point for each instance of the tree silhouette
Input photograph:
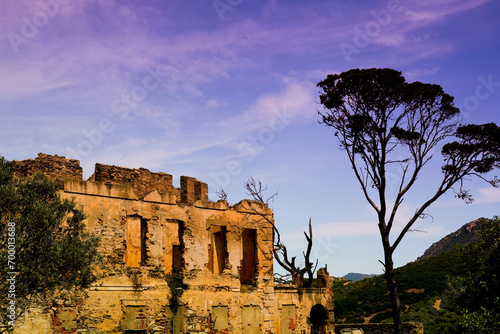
x,y
382,121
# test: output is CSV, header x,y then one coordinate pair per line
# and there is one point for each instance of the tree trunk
x,y
393,292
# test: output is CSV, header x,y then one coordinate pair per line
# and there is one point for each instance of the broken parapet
x,y
56,167
144,182
323,278
141,180
193,190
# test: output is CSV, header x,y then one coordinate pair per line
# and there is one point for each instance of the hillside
x,y
422,285
464,235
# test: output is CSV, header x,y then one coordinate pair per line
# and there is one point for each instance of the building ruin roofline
x,y
129,183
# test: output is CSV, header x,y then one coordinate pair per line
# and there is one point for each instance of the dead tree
x,y
256,190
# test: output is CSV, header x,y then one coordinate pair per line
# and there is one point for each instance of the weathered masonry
x,y
149,228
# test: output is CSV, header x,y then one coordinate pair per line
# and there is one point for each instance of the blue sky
x,y
224,90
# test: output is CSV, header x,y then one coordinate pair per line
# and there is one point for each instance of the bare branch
x,y
221,194
256,190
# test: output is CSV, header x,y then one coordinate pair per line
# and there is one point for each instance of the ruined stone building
x,y
149,228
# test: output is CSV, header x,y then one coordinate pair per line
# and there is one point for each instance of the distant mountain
x,y
354,277
464,235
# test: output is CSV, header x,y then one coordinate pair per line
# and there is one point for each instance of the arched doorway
x,y
318,316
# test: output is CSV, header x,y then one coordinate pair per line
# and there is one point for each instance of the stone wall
x,y
408,328
144,182
193,190
141,180
148,228
56,167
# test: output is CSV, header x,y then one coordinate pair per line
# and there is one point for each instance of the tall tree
x,y
382,121
44,247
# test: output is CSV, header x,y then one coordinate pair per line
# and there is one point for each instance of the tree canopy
x,y
44,247
384,123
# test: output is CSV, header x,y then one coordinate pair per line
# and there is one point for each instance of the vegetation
x,y
175,283
438,315
452,292
477,289
424,294
386,125
44,247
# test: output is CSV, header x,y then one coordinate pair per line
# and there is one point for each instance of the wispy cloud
x,y
337,230
367,225
419,73
271,112
410,29
426,12
488,195
109,60
293,103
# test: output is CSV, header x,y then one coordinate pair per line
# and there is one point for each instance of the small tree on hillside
x,y
44,247
383,121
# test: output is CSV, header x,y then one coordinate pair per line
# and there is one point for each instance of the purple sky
x,y
224,90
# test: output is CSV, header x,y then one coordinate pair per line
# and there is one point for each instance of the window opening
x,y
136,241
249,260
144,236
135,320
176,257
288,319
218,250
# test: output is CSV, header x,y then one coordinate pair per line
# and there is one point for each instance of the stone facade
x,y
148,229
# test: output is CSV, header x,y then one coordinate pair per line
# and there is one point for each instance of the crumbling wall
x,y
141,180
193,190
297,310
56,167
148,227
